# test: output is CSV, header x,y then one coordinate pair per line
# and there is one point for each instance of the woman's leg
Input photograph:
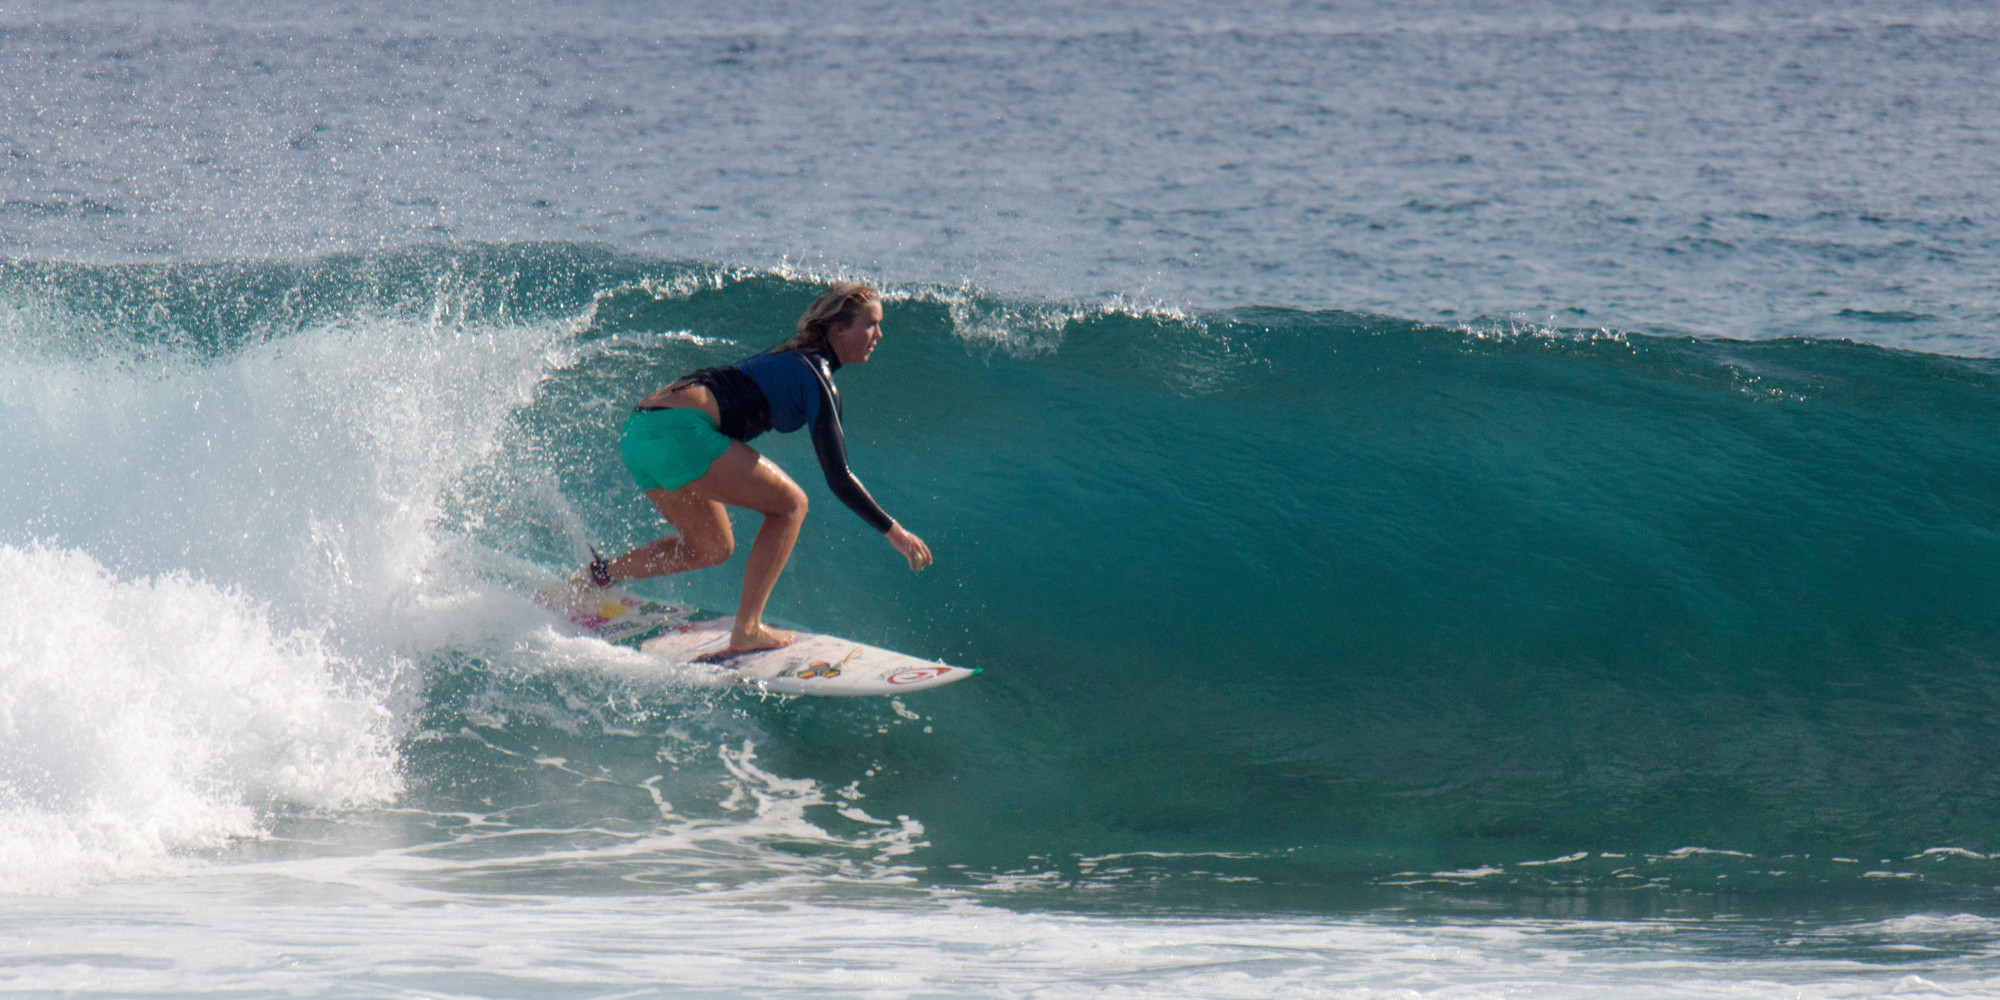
x,y
740,478
743,478
704,540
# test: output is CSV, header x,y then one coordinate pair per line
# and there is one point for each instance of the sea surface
x,y
1449,499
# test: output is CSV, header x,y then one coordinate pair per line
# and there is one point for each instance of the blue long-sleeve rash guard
x,y
785,391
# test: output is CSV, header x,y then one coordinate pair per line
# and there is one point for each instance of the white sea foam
x,y
219,568
725,944
144,717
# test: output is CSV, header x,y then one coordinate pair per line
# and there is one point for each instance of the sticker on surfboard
x,y
611,614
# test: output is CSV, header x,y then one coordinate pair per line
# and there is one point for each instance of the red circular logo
x,y
916,674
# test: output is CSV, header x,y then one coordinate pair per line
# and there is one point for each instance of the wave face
x,y
1277,609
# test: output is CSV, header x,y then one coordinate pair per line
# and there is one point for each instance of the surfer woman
x,y
685,444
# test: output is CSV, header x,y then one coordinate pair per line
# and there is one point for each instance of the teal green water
x,y
1276,609
1354,613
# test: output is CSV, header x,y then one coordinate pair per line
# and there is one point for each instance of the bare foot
x,y
758,637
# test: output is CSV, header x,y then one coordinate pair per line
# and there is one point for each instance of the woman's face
x,y
854,342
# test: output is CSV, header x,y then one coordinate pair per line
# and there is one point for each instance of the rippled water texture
x,y
1783,169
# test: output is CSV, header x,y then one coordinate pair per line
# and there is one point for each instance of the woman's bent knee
x,y
706,552
793,505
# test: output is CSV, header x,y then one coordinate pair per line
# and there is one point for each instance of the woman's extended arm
x,y
830,445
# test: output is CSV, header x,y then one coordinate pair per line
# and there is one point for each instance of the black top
x,y
785,391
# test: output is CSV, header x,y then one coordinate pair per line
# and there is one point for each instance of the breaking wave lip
x,y
582,286
246,648
1019,327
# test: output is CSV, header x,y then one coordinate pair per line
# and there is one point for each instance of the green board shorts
x,y
668,449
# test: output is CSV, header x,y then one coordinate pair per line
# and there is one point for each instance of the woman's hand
x,y
912,547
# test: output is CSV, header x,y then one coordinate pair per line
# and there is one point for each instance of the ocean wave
x,y
1271,603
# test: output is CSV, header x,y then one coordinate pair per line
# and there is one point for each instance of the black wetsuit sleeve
x,y
831,446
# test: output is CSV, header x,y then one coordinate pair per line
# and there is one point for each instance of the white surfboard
x,y
814,664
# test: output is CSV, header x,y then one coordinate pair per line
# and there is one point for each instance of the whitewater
x,y
1445,502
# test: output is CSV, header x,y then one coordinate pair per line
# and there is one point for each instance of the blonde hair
x,y
837,306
